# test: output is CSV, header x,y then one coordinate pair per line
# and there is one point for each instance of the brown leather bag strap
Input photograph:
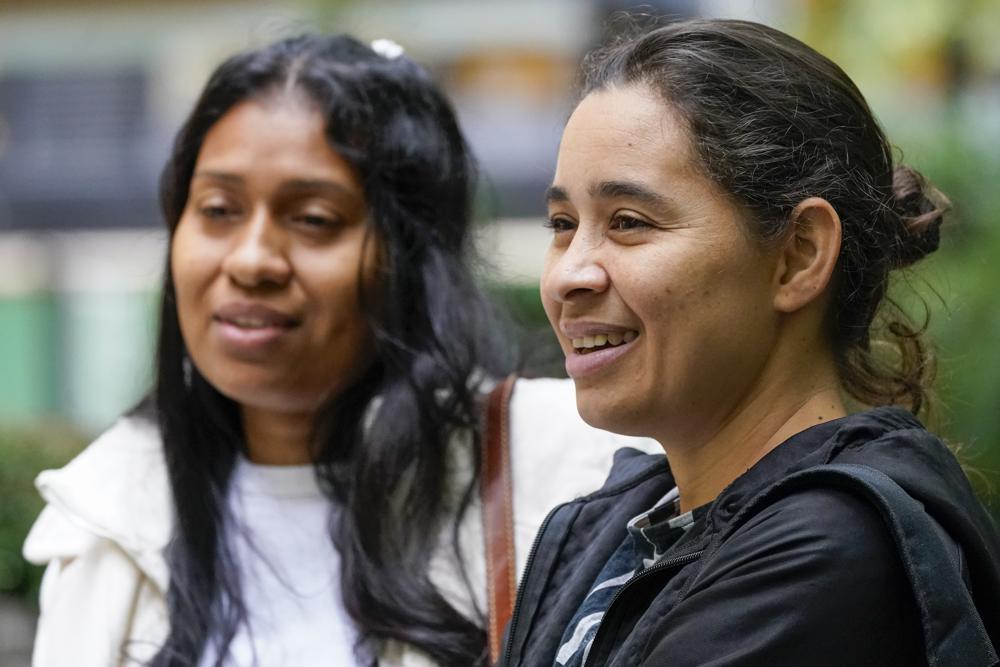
x,y
498,513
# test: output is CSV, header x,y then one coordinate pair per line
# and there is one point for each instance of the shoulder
x,y
549,436
543,411
116,489
817,539
101,534
555,455
821,513
812,578
96,605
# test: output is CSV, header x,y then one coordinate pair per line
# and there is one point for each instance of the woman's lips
x,y
595,345
250,314
251,331
580,365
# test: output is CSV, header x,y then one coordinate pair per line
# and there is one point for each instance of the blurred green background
x,y
90,94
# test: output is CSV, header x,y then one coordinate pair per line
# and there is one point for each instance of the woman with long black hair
x,y
300,487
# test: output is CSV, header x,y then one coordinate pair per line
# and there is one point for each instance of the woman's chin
x,y
262,395
598,411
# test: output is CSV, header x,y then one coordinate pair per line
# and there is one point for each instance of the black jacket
x,y
811,577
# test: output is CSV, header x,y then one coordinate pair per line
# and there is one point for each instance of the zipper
x,y
648,572
509,644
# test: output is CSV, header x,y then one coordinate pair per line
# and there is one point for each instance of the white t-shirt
x,y
290,572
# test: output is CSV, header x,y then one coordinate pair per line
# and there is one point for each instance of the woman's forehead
x,y
624,134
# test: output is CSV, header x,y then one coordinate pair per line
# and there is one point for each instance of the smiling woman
x,y
647,246
301,486
725,216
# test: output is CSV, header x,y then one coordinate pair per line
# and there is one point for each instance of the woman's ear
x,y
808,255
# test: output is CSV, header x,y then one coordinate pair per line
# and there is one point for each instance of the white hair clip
x,y
387,48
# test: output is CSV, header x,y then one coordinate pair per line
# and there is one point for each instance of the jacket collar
x,y
817,445
630,467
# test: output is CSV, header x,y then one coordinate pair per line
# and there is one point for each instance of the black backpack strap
x,y
954,634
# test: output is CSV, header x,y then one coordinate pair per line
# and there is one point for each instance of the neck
x,y
704,465
278,438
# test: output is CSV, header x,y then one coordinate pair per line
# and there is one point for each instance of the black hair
x,y
434,333
773,122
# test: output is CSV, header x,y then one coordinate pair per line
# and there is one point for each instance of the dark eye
x,y
216,211
313,220
559,223
627,223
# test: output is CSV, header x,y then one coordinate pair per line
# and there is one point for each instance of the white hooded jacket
x,y
109,517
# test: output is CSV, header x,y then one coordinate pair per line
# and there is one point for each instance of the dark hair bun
x,y
921,208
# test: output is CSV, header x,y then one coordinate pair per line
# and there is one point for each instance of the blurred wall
x,y
91,93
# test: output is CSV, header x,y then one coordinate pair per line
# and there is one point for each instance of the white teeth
x,y
600,340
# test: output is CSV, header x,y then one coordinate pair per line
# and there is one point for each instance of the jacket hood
x,y
888,439
116,489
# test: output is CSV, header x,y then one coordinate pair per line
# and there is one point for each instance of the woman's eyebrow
x,y
554,193
636,192
661,204
316,185
218,176
295,185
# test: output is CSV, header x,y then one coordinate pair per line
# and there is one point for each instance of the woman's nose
x,y
258,256
576,272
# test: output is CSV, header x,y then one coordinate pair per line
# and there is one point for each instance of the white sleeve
x,y
93,604
555,455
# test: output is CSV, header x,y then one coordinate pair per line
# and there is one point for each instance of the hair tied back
x,y
921,208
